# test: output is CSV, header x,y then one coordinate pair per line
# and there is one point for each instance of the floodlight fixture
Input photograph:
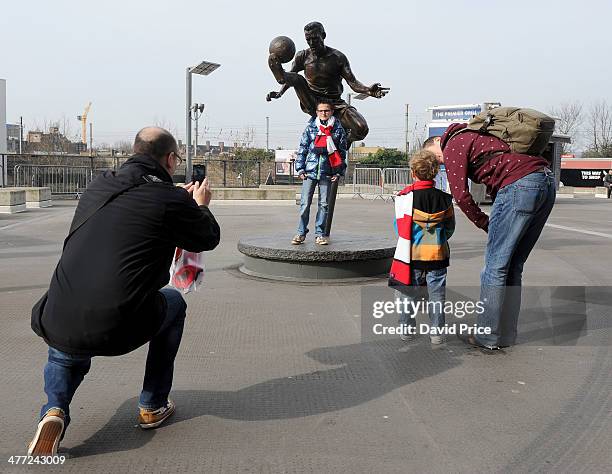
x,y
204,68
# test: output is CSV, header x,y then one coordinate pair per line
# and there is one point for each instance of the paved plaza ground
x,y
274,377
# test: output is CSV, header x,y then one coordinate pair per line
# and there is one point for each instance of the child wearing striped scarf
x,y
425,221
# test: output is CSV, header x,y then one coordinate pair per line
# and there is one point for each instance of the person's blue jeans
x,y
517,218
308,189
64,372
434,281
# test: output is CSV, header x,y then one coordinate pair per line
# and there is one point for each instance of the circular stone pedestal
x,y
348,256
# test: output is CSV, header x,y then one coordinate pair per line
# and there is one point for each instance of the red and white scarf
x,y
324,140
399,274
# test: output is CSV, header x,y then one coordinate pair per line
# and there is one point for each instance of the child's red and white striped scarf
x,y
324,141
400,268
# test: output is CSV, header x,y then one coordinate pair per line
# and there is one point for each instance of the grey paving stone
x,y
272,376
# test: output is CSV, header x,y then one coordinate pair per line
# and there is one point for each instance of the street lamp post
x,y
202,69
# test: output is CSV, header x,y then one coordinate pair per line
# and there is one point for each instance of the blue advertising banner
x,y
455,114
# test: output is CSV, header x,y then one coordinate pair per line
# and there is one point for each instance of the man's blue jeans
x,y
517,218
64,372
308,189
435,283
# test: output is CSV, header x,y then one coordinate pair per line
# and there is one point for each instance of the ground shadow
x,y
554,315
467,250
365,372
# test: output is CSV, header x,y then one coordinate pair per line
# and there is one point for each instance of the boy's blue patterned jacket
x,y
317,165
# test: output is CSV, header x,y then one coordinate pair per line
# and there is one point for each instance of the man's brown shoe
x,y
148,419
48,434
298,239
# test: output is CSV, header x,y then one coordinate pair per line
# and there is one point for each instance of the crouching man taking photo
x,y
107,295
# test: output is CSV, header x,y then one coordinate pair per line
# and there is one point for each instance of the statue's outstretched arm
x,y
375,90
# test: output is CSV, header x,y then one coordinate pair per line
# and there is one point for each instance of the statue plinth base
x,y
348,257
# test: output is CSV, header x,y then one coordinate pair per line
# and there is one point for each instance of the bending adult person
x,y
523,191
106,296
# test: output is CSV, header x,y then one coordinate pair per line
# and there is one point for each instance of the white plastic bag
x,y
187,270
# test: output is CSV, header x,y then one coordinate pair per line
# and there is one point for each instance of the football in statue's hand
x,y
283,47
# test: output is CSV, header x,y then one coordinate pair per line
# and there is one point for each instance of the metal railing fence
x,y
368,181
61,179
395,179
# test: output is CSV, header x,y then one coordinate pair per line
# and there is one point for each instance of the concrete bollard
x,y
37,197
12,200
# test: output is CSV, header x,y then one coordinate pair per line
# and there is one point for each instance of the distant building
x,y
52,142
207,149
12,137
12,131
35,137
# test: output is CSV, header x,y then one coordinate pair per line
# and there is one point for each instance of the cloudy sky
x,y
129,58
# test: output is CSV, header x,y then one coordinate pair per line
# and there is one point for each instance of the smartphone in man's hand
x,y
199,173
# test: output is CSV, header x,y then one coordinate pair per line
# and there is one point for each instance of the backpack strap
x,y
482,130
485,124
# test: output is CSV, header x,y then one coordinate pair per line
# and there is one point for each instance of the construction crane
x,y
83,120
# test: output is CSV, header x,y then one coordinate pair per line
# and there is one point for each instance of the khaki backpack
x,y
526,131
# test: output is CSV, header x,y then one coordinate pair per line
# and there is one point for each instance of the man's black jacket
x,y
103,298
